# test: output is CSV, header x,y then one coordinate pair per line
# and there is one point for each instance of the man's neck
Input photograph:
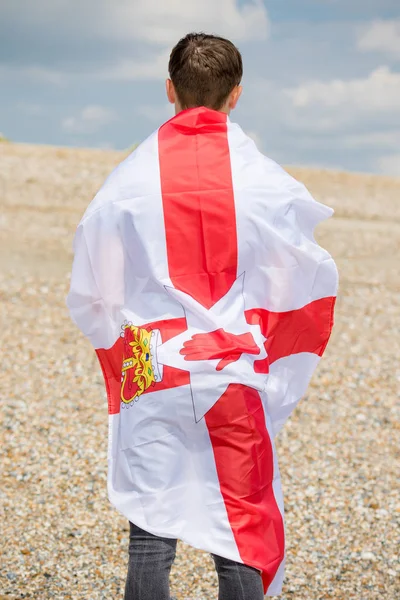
x,y
225,109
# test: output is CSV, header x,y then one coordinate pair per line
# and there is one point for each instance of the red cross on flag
x,y
200,285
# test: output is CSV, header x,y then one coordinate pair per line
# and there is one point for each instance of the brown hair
x,y
204,70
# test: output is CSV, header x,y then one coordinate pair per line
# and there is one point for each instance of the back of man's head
x,y
204,70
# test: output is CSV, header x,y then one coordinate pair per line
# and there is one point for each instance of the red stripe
x,y
244,460
199,208
200,225
306,329
111,364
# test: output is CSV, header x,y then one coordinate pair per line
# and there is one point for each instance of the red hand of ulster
x,y
219,344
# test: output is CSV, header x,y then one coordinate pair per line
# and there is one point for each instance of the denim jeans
x,y
150,561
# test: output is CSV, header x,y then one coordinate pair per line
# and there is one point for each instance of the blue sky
x,y
321,84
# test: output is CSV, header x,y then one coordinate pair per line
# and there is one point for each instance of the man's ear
x,y
171,95
234,97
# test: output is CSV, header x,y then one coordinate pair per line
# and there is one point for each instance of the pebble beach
x,y
338,453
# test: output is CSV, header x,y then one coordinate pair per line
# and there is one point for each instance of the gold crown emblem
x,y
137,368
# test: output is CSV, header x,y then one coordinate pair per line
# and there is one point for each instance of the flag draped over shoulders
x,y
199,283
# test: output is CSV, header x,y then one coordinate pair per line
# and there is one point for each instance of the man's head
x,y
204,70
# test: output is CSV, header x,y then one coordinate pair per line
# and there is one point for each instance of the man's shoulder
x,y
129,179
263,184
260,169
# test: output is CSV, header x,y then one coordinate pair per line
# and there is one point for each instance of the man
x,y
199,283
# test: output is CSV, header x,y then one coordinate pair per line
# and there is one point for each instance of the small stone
x,y
368,556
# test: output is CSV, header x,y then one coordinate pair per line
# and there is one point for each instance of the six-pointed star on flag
x,y
228,314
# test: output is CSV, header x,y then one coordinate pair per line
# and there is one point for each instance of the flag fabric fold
x,y
199,283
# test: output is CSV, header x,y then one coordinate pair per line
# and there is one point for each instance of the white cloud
x,y
379,91
40,74
381,36
158,22
154,67
90,120
328,106
336,124
389,165
164,22
375,139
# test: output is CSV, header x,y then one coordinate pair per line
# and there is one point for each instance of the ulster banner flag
x,y
199,283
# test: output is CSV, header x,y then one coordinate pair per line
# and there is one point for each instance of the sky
x,y
321,86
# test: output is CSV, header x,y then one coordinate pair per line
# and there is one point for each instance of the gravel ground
x,y
339,453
